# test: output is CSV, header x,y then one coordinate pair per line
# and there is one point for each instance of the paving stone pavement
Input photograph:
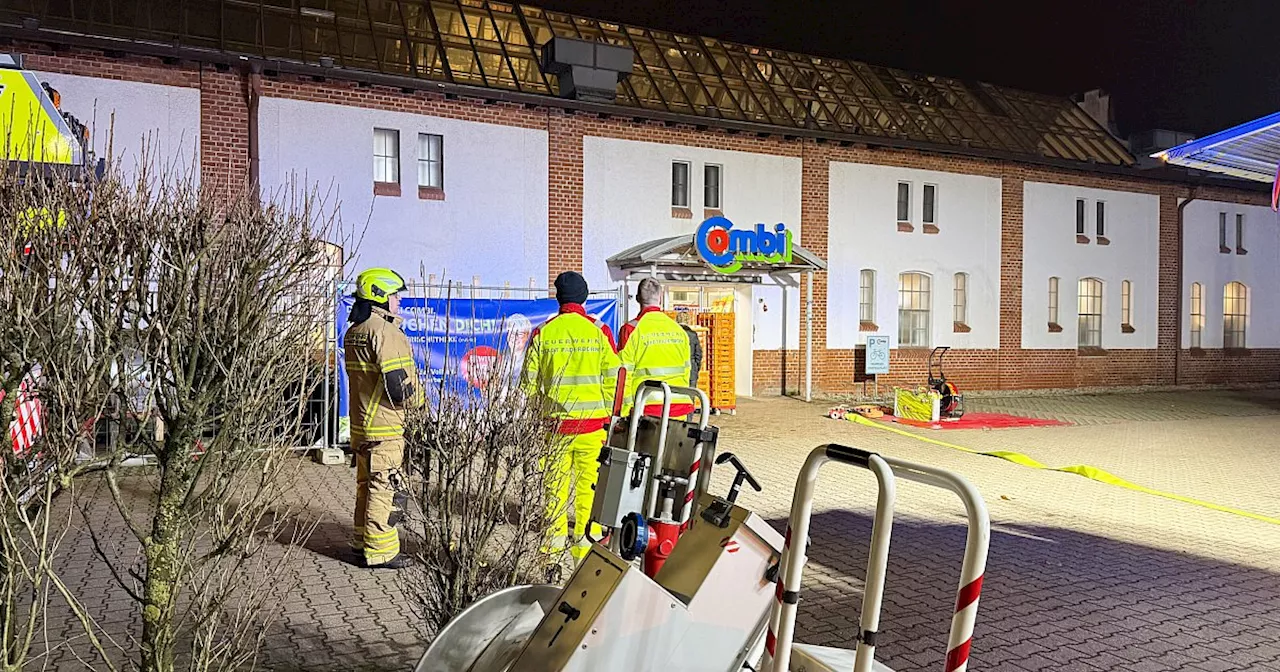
x,y
1081,576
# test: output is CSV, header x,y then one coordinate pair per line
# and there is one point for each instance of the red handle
x,y
619,390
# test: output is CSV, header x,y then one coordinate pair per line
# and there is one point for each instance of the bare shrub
x,y
478,507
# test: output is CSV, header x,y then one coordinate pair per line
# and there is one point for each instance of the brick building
x,y
1007,225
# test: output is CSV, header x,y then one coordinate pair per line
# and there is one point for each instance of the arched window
x,y
914,304
1197,315
1089,309
1235,314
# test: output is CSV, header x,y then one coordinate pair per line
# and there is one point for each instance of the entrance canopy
x,y
678,258
1250,151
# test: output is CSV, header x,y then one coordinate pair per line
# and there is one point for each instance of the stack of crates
x,y
704,374
719,357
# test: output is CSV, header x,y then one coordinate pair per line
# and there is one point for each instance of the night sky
x,y
1185,65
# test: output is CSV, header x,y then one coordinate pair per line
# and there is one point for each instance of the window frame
x,y
1232,338
929,204
1222,233
915,321
1081,225
675,184
867,295
1196,323
1100,217
719,187
386,160
1126,304
1054,281
960,298
1239,232
1089,320
428,162
903,203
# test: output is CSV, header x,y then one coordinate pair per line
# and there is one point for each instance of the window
x,y
1239,233
1197,314
386,155
1102,218
1222,232
431,160
1079,216
914,304
867,296
904,201
1235,314
679,184
1089,309
961,313
930,204
1126,305
1053,301
711,186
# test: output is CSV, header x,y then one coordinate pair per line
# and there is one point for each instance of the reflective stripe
x,y
379,432
397,363
581,380
612,372
366,367
583,405
661,371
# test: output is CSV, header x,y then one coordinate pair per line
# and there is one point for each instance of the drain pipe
x,y
254,96
1177,350
808,338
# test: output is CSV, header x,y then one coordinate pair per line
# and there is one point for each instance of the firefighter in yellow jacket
x,y
382,383
570,363
656,347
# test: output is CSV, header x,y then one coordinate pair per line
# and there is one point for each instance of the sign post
x,y
877,361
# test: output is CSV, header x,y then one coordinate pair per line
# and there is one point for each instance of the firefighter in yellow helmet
x,y
570,362
382,383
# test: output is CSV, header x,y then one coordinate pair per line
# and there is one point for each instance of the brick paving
x,y
1082,576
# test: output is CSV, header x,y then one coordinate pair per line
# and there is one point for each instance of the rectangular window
x,y
1102,218
1222,232
930,198
867,296
1126,304
431,160
679,184
904,201
914,307
1239,232
961,315
1080,216
1089,308
386,155
1235,314
1053,301
1197,314
711,186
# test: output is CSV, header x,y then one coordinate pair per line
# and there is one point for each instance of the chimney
x,y
1097,104
588,71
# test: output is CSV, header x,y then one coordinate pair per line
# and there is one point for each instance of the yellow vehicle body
x,y
32,129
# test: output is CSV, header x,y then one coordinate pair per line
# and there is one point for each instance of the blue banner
x,y
449,336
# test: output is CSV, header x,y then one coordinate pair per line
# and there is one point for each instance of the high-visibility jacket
x,y
570,362
656,347
382,379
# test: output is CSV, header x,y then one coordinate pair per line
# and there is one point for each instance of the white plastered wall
x,y
1049,249
491,224
863,234
1257,269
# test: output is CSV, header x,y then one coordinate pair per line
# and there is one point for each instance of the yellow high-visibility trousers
x,y
574,472
379,499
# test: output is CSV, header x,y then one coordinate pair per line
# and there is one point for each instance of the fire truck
x,y
40,142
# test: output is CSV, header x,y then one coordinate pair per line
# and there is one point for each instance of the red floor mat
x,y
979,421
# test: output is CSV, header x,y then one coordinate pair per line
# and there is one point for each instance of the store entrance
x,y
720,314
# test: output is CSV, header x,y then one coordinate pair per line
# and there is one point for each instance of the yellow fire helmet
x,y
376,284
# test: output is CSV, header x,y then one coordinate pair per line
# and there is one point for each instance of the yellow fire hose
x,y
1089,472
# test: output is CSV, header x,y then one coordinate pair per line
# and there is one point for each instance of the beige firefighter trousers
x,y
380,499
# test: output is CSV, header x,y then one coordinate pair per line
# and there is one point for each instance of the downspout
x,y
254,96
1177,350
808,338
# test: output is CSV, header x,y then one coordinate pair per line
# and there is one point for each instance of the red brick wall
x,y
224,157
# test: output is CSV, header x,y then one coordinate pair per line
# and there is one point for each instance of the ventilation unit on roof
x,y
588,71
